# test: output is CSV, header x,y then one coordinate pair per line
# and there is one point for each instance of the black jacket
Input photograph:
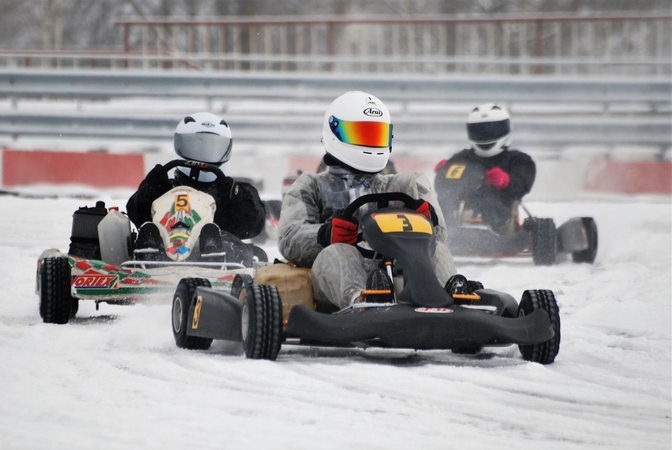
x,y
240,211
463,177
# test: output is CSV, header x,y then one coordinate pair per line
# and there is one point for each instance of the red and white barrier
x,y
100,170
621,177
21,168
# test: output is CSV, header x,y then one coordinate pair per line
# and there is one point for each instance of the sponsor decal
x,y
373,112
434,310
402,223
94,281
197,312
208,124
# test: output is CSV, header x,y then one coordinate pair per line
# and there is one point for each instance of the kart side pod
x,y
214,315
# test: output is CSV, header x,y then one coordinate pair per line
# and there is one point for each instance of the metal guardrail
x,y
652,126
19,84
652,131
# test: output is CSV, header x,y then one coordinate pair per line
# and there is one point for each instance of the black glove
x,y
158,178
227,188
426,208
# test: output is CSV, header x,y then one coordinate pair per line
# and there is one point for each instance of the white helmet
x,y
357,131
489,130
203,137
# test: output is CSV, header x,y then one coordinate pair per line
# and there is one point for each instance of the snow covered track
x,y
115,379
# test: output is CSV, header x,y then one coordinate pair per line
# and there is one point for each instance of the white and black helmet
x,y
357,131
203,137
489,129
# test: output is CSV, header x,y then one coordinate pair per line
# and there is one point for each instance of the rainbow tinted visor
x,y
367,134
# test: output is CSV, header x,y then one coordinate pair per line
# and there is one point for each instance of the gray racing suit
x,y
339,271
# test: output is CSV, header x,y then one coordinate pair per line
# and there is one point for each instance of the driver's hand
x,y
425,208
157,177
226,187
338,230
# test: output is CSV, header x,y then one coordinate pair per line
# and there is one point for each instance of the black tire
x,y
182,300
588,255
535,300
240,281
544,243
55,299
259,253
261,322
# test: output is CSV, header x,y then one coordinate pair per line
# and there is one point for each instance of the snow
x,y
114,378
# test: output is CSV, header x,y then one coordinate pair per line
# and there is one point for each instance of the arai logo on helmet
x,y
208,124
373,112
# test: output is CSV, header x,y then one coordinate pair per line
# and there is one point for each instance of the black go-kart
x,y
421,314
524,235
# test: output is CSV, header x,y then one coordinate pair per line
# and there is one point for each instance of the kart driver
x,y
202,137
490,177
357,139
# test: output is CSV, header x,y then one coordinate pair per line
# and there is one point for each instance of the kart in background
x,y
265,314
534,236
525,235
102,264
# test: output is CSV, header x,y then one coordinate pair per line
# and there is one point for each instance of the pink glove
x,y
497,177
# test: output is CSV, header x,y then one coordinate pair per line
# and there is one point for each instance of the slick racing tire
x,y
545,242
184,296
588,255
56,303
534,300
261,321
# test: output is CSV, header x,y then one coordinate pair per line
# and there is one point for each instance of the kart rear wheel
x,y
544,243
56,303
261,321
588,255
259,253
240,281
184,296
535,300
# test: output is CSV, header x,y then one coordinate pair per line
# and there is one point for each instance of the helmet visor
x,y
486,132
204,147
367,134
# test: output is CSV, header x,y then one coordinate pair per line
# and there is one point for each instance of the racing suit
x,y
239,211
462,177
339,271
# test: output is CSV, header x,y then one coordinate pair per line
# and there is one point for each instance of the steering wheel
x,y
194,165
382,199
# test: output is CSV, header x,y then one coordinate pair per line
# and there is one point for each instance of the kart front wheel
x,y
588,255
261,321
534,300
56,303
545,242
184,295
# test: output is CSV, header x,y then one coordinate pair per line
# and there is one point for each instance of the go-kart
x,y
525,235
422,314
102,264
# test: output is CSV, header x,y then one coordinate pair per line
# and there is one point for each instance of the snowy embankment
x,y
113,378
